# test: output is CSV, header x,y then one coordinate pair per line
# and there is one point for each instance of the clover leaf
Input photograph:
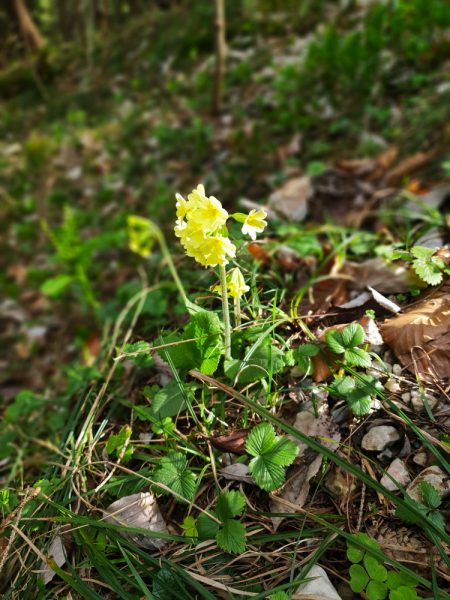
x,y
359,578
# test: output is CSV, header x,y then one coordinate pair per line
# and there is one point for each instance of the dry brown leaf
x,y
231,442
58,549
408,166
297,487
91,349
421,335
164,371
386,277
139,510
291,200
237,472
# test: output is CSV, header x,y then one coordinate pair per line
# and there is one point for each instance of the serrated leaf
x,y
406,515
402,255
359,578
335,342
231,537
166,586
353,335
172,471
421,252
257,366
430,494
437,519
229,504
376,590
305,363
290,358
168,402
428,271
142,360
207,528
342,385
271,454
112,444
308,350
357,357
254,333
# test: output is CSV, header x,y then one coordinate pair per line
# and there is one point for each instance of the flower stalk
x,y
226,313
237,310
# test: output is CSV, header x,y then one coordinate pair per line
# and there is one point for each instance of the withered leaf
x,y
421,335
58,549
231,442
237,472
139,510
385,276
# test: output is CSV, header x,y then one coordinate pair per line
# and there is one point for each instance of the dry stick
x,y
219,26
13,534
363,498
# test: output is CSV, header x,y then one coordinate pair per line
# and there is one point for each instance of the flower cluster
x,y
201,227
201,233
235,284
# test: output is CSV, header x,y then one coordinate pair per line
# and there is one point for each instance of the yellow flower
x,y
215,249
254,223
235,284
211,215
193,234
195,253
180,228
197,198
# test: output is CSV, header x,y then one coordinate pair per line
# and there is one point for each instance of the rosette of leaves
x,y
172,471
347,343
229,533
270,454
374,577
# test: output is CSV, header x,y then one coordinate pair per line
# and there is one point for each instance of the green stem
x,y
166,253
226,314
237,309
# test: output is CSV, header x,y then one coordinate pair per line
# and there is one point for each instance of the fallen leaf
x,y
259,253
291,200
91,349
231,442
372,334
237,472
385,302
421,335
164,371
385,276
297,488
369,169
139,510
408,166
58,549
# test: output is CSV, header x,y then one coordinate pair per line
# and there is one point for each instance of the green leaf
x,y
353,335
423,253
359,578
257,367
169,401
359,399
395,580
142,360
271,454
56,285
203,353
172,471
357,357
8,501
112,444
430,494
354,553
239,217
253,334
166,586
279,596
376,590
406,515
428,271
189,525
290,358
402,255
403,593
229,504
207,528
231,537
342,385
165,426
437,519
375,570
335,341
308,350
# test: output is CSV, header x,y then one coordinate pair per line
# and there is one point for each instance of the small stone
x,y
320,586
377,373
399,472
406,397
379,438
337,482
418,404
393,386
436,477
397,370
421,459
385,456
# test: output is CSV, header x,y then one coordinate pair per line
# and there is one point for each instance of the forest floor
x,y
242,476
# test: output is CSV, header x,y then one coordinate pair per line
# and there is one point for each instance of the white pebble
x,y
397,370
406,397
392,385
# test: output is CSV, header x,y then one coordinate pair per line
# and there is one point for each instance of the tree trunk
x,y
219,25
30,33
